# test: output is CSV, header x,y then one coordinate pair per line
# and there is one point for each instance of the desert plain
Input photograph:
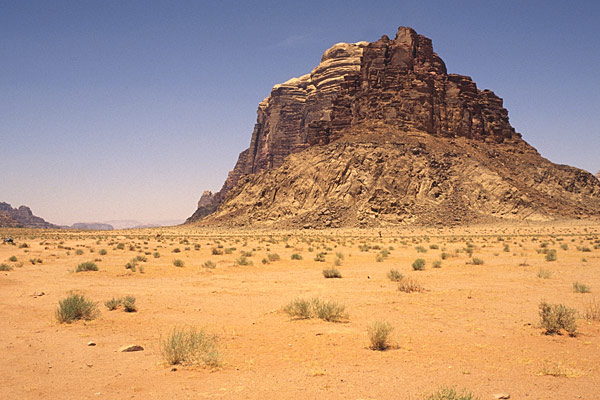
x,y
473,326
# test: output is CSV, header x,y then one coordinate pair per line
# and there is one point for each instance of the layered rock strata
x,y
389,89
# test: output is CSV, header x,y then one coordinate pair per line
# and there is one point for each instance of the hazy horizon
x,y
130,110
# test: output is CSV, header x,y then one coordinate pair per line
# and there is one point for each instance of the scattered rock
x,y
501,396
90,343
130,348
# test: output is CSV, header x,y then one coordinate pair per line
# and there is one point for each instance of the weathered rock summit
x,y
384,124
21,217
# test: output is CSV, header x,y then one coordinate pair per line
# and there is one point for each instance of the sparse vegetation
x,y
581,287
178,263
331,273
76,307
554,317
418,264
316,308
592,310
450,394
394,275
544,273
13,259
87,266
190,346
379,332
5,267
409,285
296,256
551,255
209,264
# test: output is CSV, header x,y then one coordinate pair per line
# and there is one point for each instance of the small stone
x,y
502,396
130,348
90,343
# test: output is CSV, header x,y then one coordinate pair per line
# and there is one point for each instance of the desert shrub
x,y
444,255
394,275
379,332
320,257
551,255
592,310
102,252
434,246
477,261
296,256
190,347
330,311
421,249
325,310
419,264
76,307
132,264
176,250
450,394
409,285
581,288
13,259
299,309
178,263
141,258
87,266
78,252
331,273
554,317
544,273
156,254
274,257
209,264
246,253
113,304
34,261
506,248
243,260
437,264
564,246
23,246
5,267
129,304
217,251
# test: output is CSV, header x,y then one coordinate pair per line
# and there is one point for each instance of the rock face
x,y
21,217
449,139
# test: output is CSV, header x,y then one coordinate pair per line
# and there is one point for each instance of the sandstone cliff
x,y
21,217
355,119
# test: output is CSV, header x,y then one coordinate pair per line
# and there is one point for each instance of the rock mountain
x,y
381,134
21,217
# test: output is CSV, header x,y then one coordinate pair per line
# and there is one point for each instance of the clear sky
x,y
130,109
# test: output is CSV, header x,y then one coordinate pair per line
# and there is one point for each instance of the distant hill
x,y
92,226
135,224
21,217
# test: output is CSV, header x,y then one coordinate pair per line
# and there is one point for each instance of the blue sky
x,y
130,109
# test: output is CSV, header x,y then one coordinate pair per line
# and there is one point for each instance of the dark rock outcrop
x,y
21,217
385,92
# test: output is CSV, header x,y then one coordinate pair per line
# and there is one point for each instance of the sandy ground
x,y
475,327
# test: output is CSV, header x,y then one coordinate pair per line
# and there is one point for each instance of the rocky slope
x,y
21,217
382,134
